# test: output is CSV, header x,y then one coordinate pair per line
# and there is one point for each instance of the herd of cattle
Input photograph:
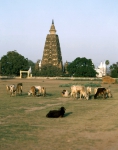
x,y
75,91
83,92
34,90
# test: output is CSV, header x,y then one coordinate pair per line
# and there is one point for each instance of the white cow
x,y
78,89
38,89
65,93
11,89
109,92
88,89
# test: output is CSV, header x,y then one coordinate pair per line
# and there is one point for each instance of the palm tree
x,y
107,63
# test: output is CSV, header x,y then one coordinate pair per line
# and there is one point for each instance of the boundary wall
x,y
55,78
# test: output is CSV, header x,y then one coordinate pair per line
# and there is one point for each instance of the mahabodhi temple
x,y
52,51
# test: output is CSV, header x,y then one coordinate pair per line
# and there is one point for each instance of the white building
x,y
30,70
39,64
101,69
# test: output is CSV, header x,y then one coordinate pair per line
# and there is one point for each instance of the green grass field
x,y
87,125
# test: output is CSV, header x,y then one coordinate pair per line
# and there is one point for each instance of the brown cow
x,y
108,91
8,88
101,92
43,91
32,91
19,88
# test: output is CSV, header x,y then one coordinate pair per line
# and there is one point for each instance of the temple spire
x,y
52,21
52,50
52,28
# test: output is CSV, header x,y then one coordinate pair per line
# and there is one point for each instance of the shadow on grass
x,y
67,114
49,94
91,97
23,94
26,95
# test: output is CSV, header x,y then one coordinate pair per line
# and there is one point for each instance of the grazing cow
x,y
56,113
95,89
78,89
88,90
38,89
43,91
73,91
32,91
100,92
8,88
109,92
19,88
84,95
65,93
12,90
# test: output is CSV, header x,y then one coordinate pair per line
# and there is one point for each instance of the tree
x,y
81,67
12,63
37,65
114,70
50,71
107,63
37,69
0,68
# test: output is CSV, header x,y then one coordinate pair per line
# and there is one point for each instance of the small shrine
x,y
27,72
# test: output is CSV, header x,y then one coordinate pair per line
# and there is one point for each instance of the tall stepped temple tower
x,y
52,51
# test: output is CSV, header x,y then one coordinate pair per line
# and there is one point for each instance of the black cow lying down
x,y
56,113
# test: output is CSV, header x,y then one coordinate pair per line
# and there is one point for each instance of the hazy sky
x,y
86,28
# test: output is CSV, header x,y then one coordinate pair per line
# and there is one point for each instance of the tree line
x,y
13,62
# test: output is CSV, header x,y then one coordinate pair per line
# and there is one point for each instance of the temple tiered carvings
x,y
52,51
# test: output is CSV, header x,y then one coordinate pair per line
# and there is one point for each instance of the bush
x,y
88,84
